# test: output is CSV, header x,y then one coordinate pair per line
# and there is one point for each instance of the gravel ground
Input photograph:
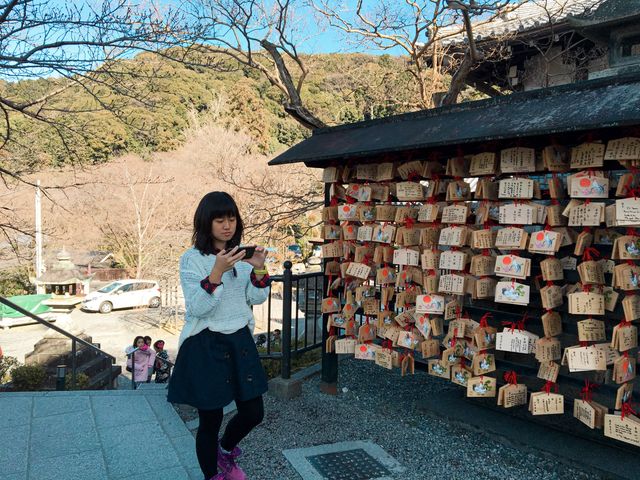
x,y
380,406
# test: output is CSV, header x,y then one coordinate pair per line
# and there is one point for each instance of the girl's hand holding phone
x,y
224,262
258,258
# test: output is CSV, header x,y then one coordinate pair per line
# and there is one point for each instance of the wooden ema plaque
x,y
410,246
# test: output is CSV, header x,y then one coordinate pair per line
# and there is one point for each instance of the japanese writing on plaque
x,y
367,172
428,212
516,341
409,191
359,270
517,159
587,155
626,430
510,237
453,284
406,256
430,259
385,171
515,188
483,164
451,236
330,175
406,169
482,239
543,403
583,359
365,233
586,303
452,260
627,148
516,214
591,330
455,214
587,215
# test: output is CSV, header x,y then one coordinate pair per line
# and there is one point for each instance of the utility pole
x,y
39,259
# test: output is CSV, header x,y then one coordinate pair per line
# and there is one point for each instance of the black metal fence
x,y
78,346
294,322
296,326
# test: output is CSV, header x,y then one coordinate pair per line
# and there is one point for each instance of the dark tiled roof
x,y
62,276
79,257
610,13
529,15
609,102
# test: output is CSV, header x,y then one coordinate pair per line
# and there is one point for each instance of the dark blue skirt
x,y
213,368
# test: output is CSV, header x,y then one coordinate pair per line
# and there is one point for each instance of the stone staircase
x,y
94,435
55,349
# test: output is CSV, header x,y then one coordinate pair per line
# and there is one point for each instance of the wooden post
x,y
329,372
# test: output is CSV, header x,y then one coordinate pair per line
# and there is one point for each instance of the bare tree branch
x,y
418,28
255,33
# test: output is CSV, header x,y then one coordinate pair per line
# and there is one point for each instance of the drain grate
x,y
353,464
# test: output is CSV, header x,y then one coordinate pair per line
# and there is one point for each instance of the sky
x,y
313,35
316,35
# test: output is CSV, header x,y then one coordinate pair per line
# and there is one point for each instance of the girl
x,y
143,357
218,361
162,367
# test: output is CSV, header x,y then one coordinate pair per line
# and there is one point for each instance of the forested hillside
x,y
159,99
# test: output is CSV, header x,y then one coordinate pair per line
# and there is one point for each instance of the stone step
x,y
94,435
105,378
153,386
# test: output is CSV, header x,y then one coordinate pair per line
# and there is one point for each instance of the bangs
x,y
223,206
212,206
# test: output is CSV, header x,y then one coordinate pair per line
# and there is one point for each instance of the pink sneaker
x,y
227,463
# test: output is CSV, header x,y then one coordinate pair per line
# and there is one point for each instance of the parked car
x,y
123,294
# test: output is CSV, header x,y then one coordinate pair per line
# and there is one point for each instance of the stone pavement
x,y
94,435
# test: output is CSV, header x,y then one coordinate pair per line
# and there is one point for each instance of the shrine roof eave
x,y
585,106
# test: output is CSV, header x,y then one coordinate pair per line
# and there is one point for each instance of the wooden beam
x,y
483,87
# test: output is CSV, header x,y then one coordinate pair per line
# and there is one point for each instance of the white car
x,y
123,294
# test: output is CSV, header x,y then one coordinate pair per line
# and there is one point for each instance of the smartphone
x,y
250,249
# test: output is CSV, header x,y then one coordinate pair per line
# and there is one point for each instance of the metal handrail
x,y
74,339
289,348
296,276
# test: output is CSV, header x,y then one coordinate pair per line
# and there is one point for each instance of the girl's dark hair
x,y
135,340
214,205
146,338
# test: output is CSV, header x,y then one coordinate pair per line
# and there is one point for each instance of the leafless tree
x,y
418,30
135,220
79,48
270,199
257,34
272,202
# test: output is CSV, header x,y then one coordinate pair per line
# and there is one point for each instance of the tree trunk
x,y
458,80
293,106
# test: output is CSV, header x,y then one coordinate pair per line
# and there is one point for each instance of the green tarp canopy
x,y
31,303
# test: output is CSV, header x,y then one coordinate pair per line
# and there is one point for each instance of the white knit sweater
x,y
228,308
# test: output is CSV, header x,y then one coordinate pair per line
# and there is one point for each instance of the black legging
x,y
250,414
